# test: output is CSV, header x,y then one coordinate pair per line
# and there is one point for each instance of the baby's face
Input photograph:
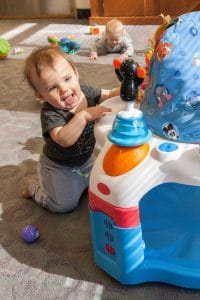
x,y
114,38
58,85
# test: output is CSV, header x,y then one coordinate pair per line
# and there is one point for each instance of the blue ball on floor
x,y
30,233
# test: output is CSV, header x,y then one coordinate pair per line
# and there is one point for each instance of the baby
x,y
114,40
68,114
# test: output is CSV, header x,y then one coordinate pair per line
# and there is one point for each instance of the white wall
x,y
40,7
83,4
35,8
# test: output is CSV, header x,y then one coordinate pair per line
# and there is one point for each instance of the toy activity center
x,y
144,192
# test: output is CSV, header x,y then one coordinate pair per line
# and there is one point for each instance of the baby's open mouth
x,y
68,99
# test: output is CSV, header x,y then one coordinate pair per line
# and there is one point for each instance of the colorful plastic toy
x,y
30,233
144,189
52,39
172,100
68,45
94,29
17,50
4,48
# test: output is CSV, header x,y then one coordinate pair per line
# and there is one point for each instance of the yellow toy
x,y
94,29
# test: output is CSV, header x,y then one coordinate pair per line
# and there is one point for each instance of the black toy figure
x,y
127,73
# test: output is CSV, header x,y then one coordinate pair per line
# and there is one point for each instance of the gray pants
x,y
60,187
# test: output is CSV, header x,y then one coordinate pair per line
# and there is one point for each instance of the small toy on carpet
x,y
4,48
30,233
94,29
68,45
17,50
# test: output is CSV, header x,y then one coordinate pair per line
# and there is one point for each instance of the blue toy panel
x,y
117,250
170,223
170,226
171,104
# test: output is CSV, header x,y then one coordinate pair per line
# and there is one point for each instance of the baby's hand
x,y
95,112
123,56
93,57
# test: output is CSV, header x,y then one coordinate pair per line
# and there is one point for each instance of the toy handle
x,y
117,65
141,72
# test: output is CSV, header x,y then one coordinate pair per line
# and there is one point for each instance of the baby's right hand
x,y
123,57
95,112
93,57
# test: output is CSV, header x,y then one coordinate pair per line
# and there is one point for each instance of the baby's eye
x,y
51,88
67,78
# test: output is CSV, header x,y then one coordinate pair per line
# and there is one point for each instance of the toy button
x,y
103,188
168,147
168,151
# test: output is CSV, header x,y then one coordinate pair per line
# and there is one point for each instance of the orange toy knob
x,y
119,160
141,72
117,63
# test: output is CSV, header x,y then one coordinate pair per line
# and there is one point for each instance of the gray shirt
x,y
101,46
82,149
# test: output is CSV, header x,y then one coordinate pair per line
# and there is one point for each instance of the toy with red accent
x,y
144,189
95,30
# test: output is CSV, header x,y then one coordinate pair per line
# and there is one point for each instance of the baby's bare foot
x,y
26,194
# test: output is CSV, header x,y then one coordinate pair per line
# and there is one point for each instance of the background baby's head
x,y
114,32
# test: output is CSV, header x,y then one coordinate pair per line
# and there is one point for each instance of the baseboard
x,y
150,20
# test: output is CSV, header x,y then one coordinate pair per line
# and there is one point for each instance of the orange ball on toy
x,y
120,160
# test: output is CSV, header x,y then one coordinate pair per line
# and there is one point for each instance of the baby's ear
x,y
39,96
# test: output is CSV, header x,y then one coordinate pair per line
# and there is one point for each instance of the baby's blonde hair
x,y
43,57
113,26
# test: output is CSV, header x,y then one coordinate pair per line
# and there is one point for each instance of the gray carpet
x,y
60,264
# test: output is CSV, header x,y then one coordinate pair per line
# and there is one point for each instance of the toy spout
x,y
129,105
